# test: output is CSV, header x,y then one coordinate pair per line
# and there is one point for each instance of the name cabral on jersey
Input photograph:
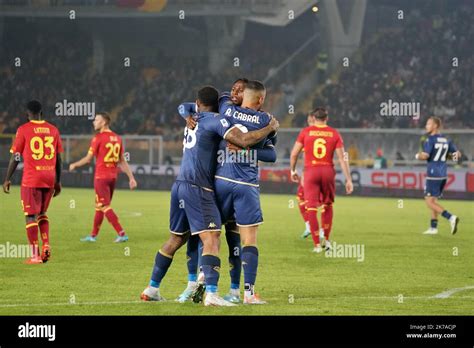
x,y
242,116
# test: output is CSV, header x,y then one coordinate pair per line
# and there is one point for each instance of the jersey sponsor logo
x,y
243,116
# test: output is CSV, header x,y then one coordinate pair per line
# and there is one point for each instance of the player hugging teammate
x,y
199,206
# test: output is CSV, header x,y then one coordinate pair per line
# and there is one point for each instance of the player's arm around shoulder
x,y
235,136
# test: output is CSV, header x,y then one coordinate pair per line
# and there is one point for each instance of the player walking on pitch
x,y
39,143
107,147
435,150
320,142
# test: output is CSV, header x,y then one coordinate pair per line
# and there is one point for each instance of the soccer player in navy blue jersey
x,y
193,208
237,184
436,148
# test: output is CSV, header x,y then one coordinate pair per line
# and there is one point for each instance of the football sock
x,y
98,218
302,206
32,233
235,263
326,220
211,266
250,264
43,224
162,263
313,223
446,214
434,223
308,228
192,255
114,221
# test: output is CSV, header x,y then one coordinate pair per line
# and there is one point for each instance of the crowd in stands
x,y
430,61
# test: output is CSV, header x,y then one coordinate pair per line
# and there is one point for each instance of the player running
x,y
319,142
193,206
39,143
107,147
435,150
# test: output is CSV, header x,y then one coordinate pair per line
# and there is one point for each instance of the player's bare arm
x,y
422,156
57,184
12,164
190,122
82,162
243,140
297,148
123,164
344,163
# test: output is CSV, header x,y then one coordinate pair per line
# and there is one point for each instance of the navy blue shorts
x,y
193,209
238,201
434,188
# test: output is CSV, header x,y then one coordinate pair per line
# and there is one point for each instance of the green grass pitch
x,y
401,271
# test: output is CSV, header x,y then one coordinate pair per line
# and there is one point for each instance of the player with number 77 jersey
x,y
107,148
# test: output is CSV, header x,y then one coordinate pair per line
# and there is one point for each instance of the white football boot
x,y
151,294
431,231
453,221
213,299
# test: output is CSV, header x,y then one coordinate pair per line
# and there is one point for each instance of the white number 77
x,y
441,148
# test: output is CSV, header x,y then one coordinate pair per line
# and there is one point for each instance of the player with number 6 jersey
x,y
320,142
39,143
107,148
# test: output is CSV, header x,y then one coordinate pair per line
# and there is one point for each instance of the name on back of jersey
x,y
242,116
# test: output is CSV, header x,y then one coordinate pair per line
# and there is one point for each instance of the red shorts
x,y
104,191
35,200
319,186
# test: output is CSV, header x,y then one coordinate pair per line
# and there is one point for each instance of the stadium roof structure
x,y
271,12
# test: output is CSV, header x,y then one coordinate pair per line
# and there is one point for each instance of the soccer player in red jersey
x,y
107,147
39,143
319,142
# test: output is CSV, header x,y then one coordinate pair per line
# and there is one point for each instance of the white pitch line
x,y
13,305
448,293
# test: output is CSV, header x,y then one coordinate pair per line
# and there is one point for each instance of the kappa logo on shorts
x,y
212,225
216,268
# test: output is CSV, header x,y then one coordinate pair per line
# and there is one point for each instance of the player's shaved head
x,y
34,107
208,99
254,95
